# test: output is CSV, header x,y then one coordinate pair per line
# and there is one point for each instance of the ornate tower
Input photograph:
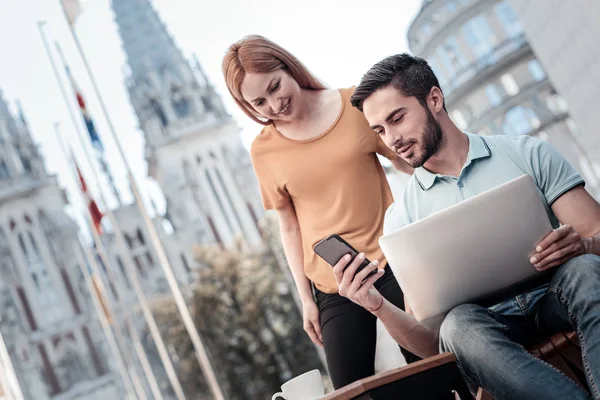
x,y
193,147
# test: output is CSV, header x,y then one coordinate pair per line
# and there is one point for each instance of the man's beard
x,y
432,139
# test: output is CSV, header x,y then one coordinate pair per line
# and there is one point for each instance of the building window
x,y
572,126
140,237
509,84
70,291
481,38
536,70
520,120
158,110
149,259
451,5
47,297
138,264
220,202
123,272
234,210
25,162
3,241
451,55
22,244
181,106
128,240
508,19
543,136
439,73
424,32
3,170
70,369
557,104
493,95
185,263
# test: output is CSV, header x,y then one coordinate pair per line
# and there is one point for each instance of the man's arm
x,y
403,327
579,214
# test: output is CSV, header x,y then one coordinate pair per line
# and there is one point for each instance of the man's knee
x,y
453,331
578,272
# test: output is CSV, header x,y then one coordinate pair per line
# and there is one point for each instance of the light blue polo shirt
x,y
491,161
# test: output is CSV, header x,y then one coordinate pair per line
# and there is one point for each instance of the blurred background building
x,y
494,82
194,152
564,36
48,324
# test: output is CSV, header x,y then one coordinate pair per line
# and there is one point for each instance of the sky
x,y
338,41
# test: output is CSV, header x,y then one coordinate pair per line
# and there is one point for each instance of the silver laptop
x,y
469,251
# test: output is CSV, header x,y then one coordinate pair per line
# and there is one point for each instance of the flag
x,y
89,124
95,212
87,119
72,9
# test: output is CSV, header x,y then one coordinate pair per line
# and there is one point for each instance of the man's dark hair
x,y
407,73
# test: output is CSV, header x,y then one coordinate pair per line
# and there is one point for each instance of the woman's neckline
x,y
322,134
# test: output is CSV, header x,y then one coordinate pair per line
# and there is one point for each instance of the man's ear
x,y
435,99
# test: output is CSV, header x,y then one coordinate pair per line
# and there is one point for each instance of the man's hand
x,y
351,285
558,247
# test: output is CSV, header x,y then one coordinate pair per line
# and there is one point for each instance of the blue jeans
x,y
489,343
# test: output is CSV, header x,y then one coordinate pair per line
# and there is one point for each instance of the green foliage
x,y
244,310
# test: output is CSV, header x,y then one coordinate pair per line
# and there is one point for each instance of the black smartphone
x,y
333,248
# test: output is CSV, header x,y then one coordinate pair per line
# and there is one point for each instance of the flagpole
x,y
186,316
137,384
134,278
110,337
139,348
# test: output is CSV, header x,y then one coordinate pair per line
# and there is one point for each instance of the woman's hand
x,y
311,324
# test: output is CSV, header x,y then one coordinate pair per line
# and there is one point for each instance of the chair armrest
x,y
361,386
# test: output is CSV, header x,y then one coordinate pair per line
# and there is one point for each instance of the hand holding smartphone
x,y
333,248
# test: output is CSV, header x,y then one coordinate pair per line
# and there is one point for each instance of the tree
x,y
244,310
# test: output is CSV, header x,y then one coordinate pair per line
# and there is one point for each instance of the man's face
x,y
404,125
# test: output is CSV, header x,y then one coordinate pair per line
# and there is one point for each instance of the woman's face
x,y
274,95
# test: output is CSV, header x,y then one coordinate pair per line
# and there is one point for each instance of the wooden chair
x,y
563,352
433,378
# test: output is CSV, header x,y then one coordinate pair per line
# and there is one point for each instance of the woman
x,y
316,165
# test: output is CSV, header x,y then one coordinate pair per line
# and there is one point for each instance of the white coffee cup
x,y
308,386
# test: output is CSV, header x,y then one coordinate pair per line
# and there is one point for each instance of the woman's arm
x,y
292,247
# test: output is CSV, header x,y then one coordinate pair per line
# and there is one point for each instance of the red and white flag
x,y
95,212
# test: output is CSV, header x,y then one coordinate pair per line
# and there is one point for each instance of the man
x,y
402,100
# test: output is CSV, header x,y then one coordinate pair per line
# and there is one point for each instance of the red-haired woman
x,y
317,166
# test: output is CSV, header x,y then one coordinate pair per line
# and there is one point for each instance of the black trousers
x,y
350,332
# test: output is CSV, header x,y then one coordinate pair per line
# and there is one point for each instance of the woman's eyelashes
x,y
275,87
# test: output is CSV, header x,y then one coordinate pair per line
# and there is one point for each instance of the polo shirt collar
x,y
478,148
